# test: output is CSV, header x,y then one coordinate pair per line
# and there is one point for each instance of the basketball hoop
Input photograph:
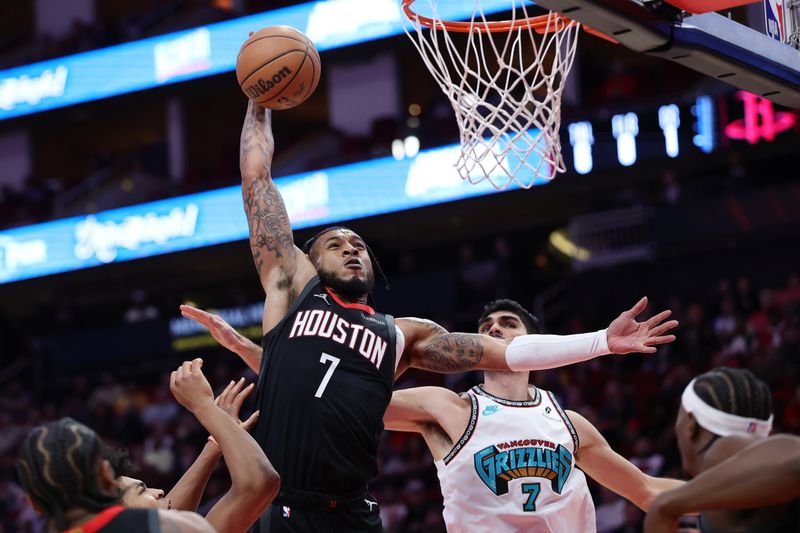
x,y
506,92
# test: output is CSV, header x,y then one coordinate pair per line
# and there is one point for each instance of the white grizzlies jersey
x,y
514,470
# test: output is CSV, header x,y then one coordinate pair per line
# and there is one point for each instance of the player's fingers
x,y
642,348
223,396
663,328
172,378
664,339
242,396
238,398
638,307
186,308
237,387
186,368
250,422
191,312
656,320
197,365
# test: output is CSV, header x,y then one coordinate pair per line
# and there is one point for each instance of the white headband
x,y
719,422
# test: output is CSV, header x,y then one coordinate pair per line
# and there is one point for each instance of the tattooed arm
x,y
283,269
430,347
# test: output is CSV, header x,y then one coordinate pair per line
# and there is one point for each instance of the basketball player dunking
x,y
330,360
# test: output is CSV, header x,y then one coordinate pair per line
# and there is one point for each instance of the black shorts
x,y
358,517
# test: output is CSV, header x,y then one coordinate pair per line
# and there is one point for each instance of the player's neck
x,y
77,517
507,385
363,300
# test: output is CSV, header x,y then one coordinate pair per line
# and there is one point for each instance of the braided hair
x,y
736,391
57,467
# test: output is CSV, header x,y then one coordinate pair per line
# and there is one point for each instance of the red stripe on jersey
x,y
363,307
98,522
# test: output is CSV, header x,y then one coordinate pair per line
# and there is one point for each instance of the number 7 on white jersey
x,y
324,359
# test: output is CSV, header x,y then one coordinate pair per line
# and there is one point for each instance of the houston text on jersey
x,y
329,325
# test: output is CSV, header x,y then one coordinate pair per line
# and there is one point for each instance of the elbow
x,y
260,489
646,501
273,485
650,492
249,176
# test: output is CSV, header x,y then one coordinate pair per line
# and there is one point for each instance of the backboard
x,y
689,33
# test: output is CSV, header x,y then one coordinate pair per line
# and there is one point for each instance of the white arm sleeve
x,y
540,352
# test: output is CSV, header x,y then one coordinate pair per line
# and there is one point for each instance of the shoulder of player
x,y
183,522
588,435
723,448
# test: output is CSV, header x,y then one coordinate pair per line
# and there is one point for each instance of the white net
x,y
505,84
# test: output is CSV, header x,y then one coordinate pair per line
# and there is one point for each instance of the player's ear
x,y
693,429
313,256
108,479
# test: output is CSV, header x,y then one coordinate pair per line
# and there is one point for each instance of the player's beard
x,y
351,289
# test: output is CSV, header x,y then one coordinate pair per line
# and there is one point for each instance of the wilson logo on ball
x,y
262,86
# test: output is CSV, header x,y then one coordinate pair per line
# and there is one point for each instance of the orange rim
x,y
541,24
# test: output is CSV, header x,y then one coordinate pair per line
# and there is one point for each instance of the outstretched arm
x,y
414,409
596,458
254,482
771,468
187,492
227,336
430,347
283,269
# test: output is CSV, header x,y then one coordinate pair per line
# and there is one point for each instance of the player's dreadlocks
x,y
736,391
58,467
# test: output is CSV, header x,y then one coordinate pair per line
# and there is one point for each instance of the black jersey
x,y
119,519
325,382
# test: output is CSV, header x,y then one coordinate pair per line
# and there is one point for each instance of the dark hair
x,y
57,467
120,460
310,242
373,259
530,322
736,391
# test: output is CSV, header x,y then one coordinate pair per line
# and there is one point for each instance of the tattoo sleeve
x,y
448,352
452,352
271,241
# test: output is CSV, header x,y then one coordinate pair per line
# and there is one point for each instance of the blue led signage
x,y
198,52
314,198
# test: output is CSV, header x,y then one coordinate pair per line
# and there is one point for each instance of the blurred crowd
x,y
632,400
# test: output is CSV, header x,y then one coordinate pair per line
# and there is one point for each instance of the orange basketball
x,y
278,67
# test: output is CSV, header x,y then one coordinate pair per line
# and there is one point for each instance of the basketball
x,y
278,67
